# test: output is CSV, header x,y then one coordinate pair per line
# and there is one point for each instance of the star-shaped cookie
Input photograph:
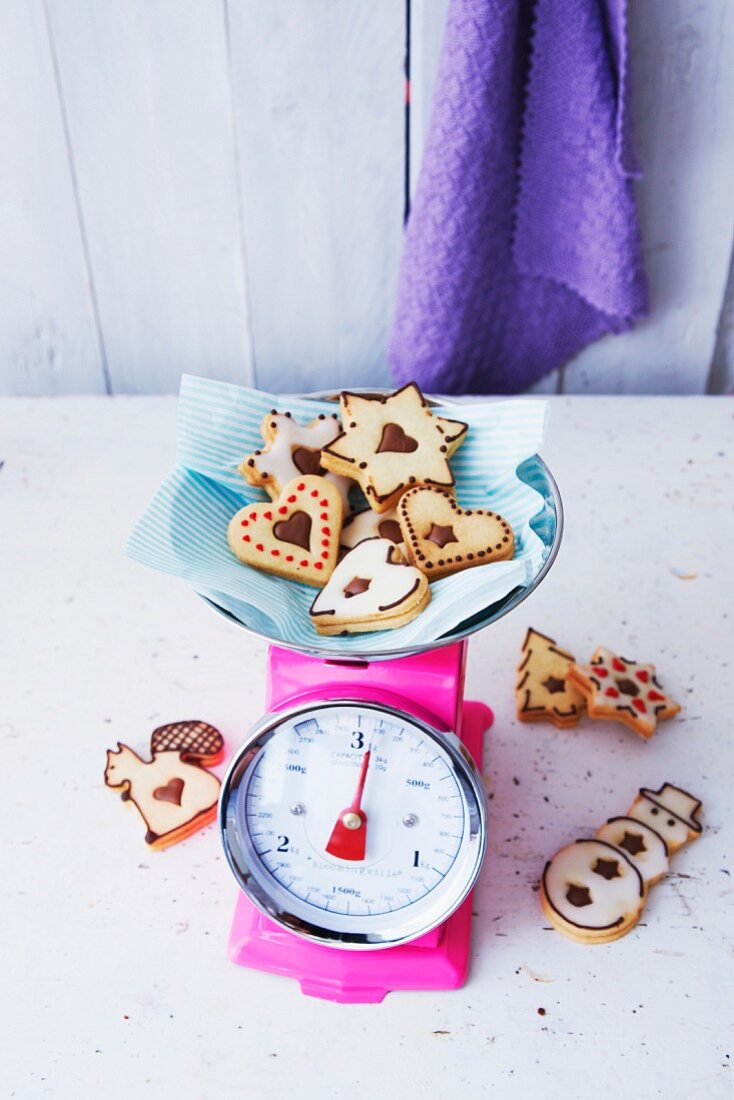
x,y
543,690
388,444
623,691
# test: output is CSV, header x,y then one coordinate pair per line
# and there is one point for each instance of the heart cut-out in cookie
x,y
442,538
371,525
372,588
295,536
171,792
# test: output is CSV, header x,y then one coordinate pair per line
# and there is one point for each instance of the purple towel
x,y
522,244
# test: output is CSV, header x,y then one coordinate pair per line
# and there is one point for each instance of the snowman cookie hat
x,y
677,802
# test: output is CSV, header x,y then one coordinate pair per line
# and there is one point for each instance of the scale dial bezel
x,y
395,931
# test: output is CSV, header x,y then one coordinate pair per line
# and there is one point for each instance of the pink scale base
x,y
438,960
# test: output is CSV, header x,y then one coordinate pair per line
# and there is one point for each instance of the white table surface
x,y
115,980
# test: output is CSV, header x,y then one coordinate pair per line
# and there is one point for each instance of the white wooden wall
x,y
217,186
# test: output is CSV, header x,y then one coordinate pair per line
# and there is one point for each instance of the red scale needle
x,y
349,835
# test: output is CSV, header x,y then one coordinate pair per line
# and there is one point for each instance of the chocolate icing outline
x,y
592,927
694,825
411,537
575,710
397,564
382,400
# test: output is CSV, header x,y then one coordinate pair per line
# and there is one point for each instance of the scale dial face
x,y
353,824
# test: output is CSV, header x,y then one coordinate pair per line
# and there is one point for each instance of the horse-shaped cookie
x,y
173,792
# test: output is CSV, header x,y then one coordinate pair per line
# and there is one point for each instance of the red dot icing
x,y
282,510
602,672
275,553
289,557
314,492
325,531
655,697
304,562
244,523
259,546
643,675
639,704
301,487
253,515
317,565
618,665
324,542
324,553
268,515
324,515
245,538
291,498
612,692
323,503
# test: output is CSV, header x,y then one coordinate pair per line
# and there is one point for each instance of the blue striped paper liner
x,y
184,529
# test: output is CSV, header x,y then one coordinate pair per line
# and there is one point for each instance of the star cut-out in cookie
x,y
624,691
391,443
607,868
632,843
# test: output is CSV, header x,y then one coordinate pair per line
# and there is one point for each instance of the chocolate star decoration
x,y
607,868
442,536
391,443
553,685
633,843
578,895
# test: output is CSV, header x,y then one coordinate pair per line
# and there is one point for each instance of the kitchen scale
x,y
353,815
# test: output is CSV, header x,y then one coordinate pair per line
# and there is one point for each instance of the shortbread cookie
x,y
173,795
371,525
292,450
442,538
543,690
295,536
671,812
646,848
623,691
389,444
372,588
588,891
592,892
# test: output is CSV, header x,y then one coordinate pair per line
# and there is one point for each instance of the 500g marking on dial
x,y
353,812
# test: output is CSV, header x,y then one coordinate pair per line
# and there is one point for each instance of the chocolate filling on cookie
x,y
395,439
296,529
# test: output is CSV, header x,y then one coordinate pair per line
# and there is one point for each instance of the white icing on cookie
x,y
646,848
371,525
286,436
674,832
384,586
577,888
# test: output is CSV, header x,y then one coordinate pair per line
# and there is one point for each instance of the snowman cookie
x,y
372,588
292,450
621,690
389,444
595,890
441,538
296,536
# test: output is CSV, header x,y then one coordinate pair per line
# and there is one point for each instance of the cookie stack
x,y
373,566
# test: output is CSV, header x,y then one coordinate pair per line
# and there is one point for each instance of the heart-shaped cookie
x,y
372,588
295,536
441,538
